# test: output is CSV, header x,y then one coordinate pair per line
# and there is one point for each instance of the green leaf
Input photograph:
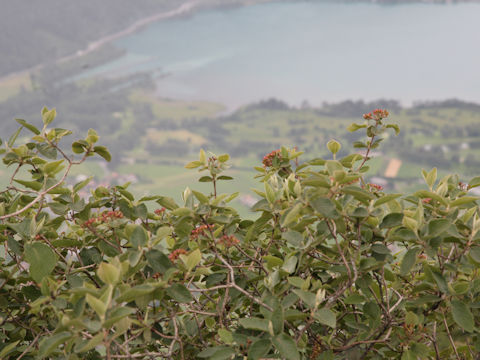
x,y
475,253
103,152
202,198
291,215
225,336
294,238
13,138
277,320
372,309
139,237
42,260
80,185
354,127
34,185
57,208
422,194
307,297
158,261
474,182
462,315
438,226
254,323
223,158
90,344
48,115
217,353
224,177
380,249
53,167
90,256
408,261
259,349
460,287
29,127
92,137
117,314
202,157
135,292
141,211
50,343
290,264
332,166
167,202
205,179
420,350
440,280
326,317
79,147
7,349
395,127
193,259
179,293
430,177
325,207
193,164
386,198
463,200
392,220
270,194
108,273
14,245
286,347
358,193
97,305
354,299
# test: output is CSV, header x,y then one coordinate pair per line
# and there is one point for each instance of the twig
x,y
334,234
450,336
349,346
29,346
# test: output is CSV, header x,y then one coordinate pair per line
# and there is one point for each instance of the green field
x,y
253,131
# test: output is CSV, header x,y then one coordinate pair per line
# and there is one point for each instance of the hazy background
x,y
160,79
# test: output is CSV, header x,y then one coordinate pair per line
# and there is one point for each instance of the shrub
x,y
331,268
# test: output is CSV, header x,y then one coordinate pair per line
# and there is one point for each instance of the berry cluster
x,y
103,218
176,254
228,240
268,159
377,114
376,186
160,211
199,231
347,183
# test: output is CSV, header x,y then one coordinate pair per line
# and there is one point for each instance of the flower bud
x,y
334,146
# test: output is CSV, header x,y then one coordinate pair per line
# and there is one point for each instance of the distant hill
x,y
35,32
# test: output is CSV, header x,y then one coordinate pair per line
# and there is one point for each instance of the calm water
x,y
313,51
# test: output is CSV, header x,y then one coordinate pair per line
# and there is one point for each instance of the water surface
x,y
314,51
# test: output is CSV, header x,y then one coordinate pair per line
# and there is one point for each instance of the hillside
x,y
39,32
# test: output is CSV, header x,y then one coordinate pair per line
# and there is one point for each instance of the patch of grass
x,y
177,109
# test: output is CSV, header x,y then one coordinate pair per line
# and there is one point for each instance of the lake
x,y
314,51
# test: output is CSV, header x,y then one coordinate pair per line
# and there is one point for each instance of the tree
x,y
332,268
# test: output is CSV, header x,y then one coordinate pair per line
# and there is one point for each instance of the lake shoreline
x,y
191,8
185,9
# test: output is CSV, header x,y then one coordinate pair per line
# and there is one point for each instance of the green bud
x,y
333,146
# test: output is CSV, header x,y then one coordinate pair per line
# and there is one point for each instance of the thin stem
x,y
450,337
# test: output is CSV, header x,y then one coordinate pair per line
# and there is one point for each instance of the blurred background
x,y
160,79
